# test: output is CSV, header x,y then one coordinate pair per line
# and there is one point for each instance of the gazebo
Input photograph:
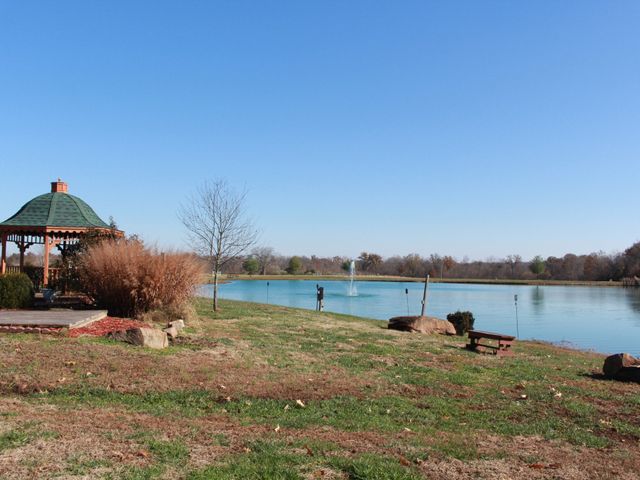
x,y
56,219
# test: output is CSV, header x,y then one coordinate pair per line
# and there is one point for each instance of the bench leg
x,y
504,348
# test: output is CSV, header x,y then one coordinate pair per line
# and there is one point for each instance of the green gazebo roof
x,y
56,209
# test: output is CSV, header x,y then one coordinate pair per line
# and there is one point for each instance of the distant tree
x,y
591,268
251,265
448,262
632,260
346,265
264,256
513,261
369,262
295,265
217,225
412,266
537,265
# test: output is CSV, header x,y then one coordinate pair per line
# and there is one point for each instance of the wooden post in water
x,y
424,296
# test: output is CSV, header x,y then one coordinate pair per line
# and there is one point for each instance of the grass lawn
x,y
267,392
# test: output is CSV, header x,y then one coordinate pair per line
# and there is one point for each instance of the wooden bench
x,y
504,342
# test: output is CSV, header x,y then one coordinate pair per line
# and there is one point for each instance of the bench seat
x,y
504,342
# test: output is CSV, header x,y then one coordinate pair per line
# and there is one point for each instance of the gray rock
x,y
422,325
144,337
172,332
177,324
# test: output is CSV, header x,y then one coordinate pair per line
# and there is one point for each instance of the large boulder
x,y
618,365
422,325
142,336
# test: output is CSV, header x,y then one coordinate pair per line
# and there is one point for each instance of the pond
x,y
604,319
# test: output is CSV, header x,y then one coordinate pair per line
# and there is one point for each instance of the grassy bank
x,y
260,391
390,278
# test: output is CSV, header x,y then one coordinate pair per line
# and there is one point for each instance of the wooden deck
x,y
54,318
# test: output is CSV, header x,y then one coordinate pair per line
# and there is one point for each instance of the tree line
x,y
597,266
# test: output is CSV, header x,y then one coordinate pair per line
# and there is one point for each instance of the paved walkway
x,y
51,318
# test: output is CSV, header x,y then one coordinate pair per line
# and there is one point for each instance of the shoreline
x,y
381,278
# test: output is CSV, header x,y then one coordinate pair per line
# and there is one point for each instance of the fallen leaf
x,y
404,461
143,453
537,465
309,451
277,429
300,403
286,407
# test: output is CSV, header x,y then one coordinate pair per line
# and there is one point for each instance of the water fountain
x,y
352,290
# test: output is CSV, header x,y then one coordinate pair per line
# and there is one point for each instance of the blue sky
x,y
477,128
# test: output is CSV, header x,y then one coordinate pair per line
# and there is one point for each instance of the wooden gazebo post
x,y
22,247
45,273
3,261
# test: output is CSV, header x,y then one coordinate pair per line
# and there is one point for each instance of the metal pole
x,y
515,299
406,291
267,293
424,296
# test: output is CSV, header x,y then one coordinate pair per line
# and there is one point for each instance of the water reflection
x,y
632,295
537,300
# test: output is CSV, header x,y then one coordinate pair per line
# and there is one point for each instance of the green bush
x,y
295,265
251,265
16,291
463,321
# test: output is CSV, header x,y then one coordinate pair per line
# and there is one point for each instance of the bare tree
x,y
217,225
264,255
513,261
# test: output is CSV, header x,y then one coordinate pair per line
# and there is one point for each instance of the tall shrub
x,y
16,291
128,279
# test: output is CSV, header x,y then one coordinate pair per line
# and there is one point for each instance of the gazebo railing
x,y
35,274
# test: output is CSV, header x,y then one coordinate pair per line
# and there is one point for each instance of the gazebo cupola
x,y
55,219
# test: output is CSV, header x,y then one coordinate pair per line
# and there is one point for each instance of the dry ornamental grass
x,y
128,278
